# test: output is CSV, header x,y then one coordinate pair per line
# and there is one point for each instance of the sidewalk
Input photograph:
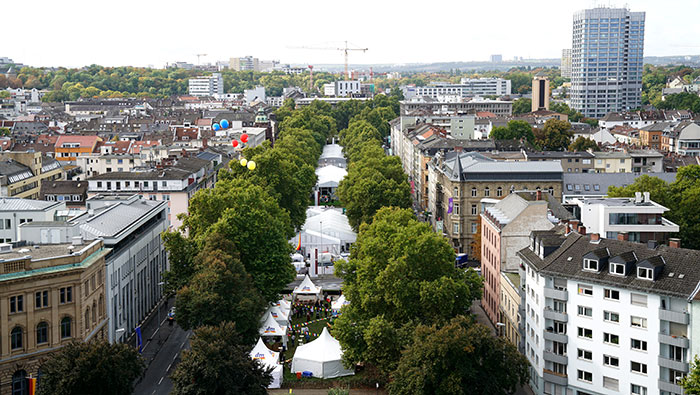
x,y
154,333
302,391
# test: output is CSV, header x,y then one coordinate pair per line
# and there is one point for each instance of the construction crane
x,y
346,49
311,78
200,55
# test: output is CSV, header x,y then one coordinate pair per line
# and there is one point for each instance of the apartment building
x,y
21,173
595,185
571,162
69,147
509,310
468,87
15,211
244,63
50,295
456,106
566,63
605,316
207,85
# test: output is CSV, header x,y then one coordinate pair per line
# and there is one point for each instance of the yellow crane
x,y
346,49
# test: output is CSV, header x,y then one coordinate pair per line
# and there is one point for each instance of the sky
x,y
75,33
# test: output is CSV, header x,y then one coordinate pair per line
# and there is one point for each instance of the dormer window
x,y
617,268
645,273
590,265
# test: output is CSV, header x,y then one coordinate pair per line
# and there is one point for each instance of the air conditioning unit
x,y
5,248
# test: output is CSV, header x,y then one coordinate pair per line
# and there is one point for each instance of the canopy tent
x,y
268,359
284,305
325,229
330,176
307,289
337,304
322,357
270,328
281,316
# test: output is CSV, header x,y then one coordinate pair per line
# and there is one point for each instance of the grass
x,y
315,329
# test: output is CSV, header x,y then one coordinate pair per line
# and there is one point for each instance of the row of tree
x,y
554,135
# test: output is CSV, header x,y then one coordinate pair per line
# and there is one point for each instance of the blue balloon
x,y
216,126
224,124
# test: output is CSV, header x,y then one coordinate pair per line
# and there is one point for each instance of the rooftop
x,y
17,204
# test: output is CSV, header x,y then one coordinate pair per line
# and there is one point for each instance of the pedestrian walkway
x,y
154,332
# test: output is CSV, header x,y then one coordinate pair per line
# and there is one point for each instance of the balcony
x,y
554,293
555,378
673,364
556,337
670,387
679,317
678,341
551,356
550,314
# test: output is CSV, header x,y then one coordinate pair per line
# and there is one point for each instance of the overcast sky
x,y
152,32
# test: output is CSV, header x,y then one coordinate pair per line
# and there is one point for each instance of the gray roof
x,y
553,204
110,221
63,187
167,174
17,204
332,151
558,154
679,277
604,180
474,166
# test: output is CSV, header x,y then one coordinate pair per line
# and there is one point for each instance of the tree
x,y
96,367
515,130
220,291
583,144
5,132
681,101
522,106
452,359
563,108
400,274
691,383
4,94
181,253
554,136
218,364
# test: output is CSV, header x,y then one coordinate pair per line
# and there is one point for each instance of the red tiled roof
x,y
84,141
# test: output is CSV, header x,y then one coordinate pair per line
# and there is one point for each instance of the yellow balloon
x,y
244,162
251,165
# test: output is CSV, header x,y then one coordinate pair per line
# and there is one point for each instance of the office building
x,y
347,88
496,58
540,94
468,87
606,61
605,316
456,106
245,63
566,63
21,173
207,85
16,211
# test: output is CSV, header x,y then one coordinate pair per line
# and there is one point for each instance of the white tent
x,y
322,357
307,289
284,305
281,316
337,304
330,176
268,359
271,328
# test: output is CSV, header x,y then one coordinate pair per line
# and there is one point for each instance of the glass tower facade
x,y
606,61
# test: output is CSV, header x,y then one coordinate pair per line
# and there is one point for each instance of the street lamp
x,y
500,327
117,331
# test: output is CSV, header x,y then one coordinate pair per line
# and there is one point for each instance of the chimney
x,y
574,224
674,243
646,197
581,230
652,244
623,236
637,197
595,237
458,148
539,194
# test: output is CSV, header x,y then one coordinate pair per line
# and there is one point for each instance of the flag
x,y
139,339
450,205
31,383
299,243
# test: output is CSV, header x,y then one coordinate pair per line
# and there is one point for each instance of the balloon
x,y
244,162
235,143
251,165
244,137
215,126
224,123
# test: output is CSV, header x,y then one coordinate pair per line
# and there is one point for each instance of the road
x,y
327,282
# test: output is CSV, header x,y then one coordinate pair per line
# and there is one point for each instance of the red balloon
x,y
244,138
235,143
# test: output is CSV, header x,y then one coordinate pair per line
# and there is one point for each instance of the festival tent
x,y
281,316
322,357
268,359
307,290
284,305
270,328
336,305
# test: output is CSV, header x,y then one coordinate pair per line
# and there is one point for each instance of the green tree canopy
x,y
583,144
522,106
691,383
217,363
453,359
554,136
515,130
91,368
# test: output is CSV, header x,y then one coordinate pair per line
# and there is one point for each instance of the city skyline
x,y
148,34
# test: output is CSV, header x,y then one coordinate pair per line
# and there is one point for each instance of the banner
x,y
139,339
31,383
450,205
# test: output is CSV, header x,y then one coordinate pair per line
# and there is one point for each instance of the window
x,y
611,361
639,345
585,354
585,290
590,264
65,327
638,299
638,390
455,208
611,294
611,383
676,353
455,228
610,338
487,192
41,299
638,322
473,192
66,295
474,227
16,304
645,273
585,376
455,190
610,316
499,192
474,209
42,333
585,332
638,367
585,311
16,338
617,268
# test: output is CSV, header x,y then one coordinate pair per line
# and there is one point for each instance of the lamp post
x,y
118,330
501,328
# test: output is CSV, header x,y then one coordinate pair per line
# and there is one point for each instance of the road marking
x,y
160,381
174,356
168,369
183,344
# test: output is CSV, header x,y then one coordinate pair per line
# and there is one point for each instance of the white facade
x,y
207,86
466,88
347,88
566,63
15,211
257,93
329,89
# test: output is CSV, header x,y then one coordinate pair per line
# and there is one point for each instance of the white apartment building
x,y
607,316
467,87
329,89
16,211
347,88
636,219
207,85
566,63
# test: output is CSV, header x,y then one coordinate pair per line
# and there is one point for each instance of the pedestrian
x,y
294,340
306,337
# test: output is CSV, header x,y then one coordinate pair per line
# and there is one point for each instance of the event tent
x,y
268,359
330,176
322,357
307,288
337,304
270,328
281,316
